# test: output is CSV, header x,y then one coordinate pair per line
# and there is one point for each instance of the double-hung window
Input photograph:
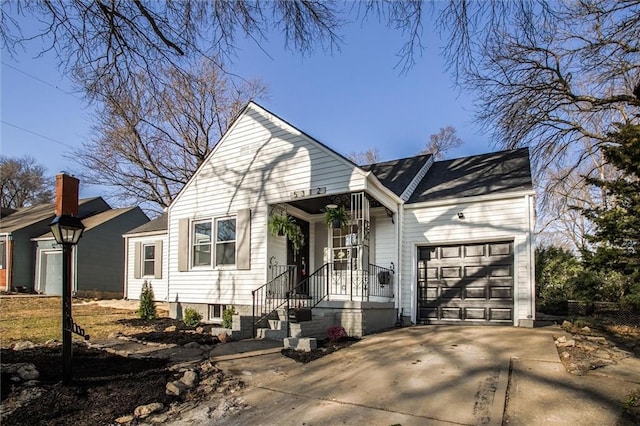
x,y
201,243
226,241
214,242
149,259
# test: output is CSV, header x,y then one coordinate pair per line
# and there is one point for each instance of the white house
x,y
447,242
145,248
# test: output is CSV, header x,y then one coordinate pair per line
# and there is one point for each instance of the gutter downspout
x,y
532,276
400,218
126,268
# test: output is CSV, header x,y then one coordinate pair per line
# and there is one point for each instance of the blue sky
x,y
350,100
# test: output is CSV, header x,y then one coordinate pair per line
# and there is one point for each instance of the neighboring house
x,y
32,260
97,261
145,261
448,242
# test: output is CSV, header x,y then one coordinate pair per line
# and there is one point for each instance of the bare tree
x,y
114,41
369,156
549,75
23,183
443,141
150,140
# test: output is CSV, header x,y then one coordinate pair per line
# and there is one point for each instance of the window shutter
x,y
157,265
137,260
183,245
243,239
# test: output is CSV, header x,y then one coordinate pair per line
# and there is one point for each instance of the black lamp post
x,y
67,230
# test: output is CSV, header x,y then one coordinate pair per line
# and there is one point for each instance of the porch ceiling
x,y
317,205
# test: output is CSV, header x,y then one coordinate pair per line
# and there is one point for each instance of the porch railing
x,y
359,284
324,283
271,296
312,290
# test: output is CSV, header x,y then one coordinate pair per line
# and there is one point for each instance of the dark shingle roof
x,y
398,174
155,225
484,174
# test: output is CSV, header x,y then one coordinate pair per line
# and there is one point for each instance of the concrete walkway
x,y
430,375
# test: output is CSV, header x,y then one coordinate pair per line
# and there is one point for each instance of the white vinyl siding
x,y
135,272
259,162
484,221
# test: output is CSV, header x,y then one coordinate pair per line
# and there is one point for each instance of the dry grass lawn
x,y
39,319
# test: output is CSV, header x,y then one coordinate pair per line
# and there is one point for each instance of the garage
x,y
466,284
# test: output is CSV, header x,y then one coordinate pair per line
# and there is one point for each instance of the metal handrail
x,y
270,297
309,292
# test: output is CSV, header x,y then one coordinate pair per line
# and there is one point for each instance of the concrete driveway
x,y
429,375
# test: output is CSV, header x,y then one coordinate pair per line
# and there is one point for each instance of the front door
x,y
300,259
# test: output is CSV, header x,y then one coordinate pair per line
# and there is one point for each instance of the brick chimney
x,y
66,195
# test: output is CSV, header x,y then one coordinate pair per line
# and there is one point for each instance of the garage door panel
x,y
451,272
476,250
451,313
475,293
501,293
454,252
468,283
500,314
475,314
451,293
500,249
500,271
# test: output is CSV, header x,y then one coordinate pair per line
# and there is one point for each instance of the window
x,y
206,249
149,259
215,312
225,242
2,255
202,243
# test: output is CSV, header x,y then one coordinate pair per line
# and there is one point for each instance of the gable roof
x,y
484,174
156,225
398,174
255,107
27,216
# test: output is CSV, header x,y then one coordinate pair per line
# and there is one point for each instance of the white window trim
x,y
214,243
211,308
144,260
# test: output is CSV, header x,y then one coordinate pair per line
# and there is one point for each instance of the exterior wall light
x,y
460,215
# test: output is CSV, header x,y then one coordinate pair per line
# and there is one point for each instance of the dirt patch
x,y
597,345
104,387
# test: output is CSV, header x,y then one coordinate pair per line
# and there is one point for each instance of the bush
x,y
336,333
191,317
147,307
227,317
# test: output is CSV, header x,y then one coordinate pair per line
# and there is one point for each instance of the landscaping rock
x,y
144,411
28,372
224,338
199,330
124,419
176,388
170,329
566,343
25,344
189,378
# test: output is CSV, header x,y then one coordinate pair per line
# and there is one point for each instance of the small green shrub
x,y
147,307
227,317
191,317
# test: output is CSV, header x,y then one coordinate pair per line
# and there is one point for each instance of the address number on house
x,y
301,193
